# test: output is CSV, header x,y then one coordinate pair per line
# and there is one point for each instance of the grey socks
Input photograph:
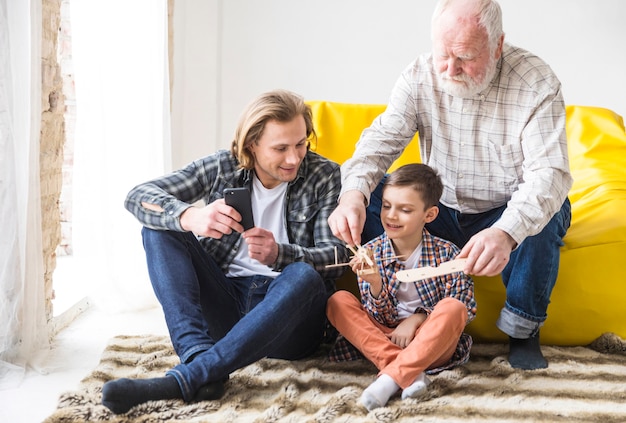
x,y
526,354
121,395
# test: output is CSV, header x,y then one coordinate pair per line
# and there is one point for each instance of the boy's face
x,y
280,151
403,213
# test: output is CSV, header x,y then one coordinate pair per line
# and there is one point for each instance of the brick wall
x,y
57,134
51,142
67,73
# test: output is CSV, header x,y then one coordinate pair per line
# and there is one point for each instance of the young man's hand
x,y
213,220
261,245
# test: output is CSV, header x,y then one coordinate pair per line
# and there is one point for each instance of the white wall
x,y
195,76
228,51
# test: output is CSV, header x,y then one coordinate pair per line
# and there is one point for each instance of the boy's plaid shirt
x,y
384,308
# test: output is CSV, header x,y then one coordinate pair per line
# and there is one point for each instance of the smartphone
x,y
239,199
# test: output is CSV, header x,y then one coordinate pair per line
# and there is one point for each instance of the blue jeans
x,y
531,273
218,324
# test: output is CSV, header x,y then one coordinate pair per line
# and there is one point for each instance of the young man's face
x,y
280,151
403,213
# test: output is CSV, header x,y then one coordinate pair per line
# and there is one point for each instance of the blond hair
x,y
279,105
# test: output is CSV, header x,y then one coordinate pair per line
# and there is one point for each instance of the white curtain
x,y
23,326
122,138
119,51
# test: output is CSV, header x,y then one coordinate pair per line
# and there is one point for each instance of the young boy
x,y
405,329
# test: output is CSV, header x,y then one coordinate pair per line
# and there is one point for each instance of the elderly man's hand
x,y
347,220
487,252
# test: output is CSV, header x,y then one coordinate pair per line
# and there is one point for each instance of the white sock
x,y
378,393
417,388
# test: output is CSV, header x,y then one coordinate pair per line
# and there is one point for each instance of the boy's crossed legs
x,y
434,344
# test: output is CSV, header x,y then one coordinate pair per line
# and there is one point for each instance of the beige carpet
x,y
580,385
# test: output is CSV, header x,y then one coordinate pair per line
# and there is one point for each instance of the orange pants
x,y
434,343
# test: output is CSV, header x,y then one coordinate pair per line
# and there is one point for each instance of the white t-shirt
x,y
268,209
407,295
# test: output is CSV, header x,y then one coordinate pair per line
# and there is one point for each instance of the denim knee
x,y
303,276
154,238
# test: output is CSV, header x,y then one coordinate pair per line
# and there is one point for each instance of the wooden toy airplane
x,y
364,256
419,273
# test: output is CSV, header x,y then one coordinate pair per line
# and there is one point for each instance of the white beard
x,y
464,86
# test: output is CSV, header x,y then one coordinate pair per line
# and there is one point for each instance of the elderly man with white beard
x,y
491,121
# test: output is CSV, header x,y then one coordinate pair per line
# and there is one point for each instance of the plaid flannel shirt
x,y
310,199
384,309
504,146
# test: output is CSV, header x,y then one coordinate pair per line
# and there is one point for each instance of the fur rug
x,y
581,384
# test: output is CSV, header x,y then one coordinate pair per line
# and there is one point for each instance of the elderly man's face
x,y
464,62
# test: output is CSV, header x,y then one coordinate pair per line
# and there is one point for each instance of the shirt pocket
x,y
301,221
303,215
505,166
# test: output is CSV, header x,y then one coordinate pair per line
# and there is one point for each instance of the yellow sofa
x,y
589,298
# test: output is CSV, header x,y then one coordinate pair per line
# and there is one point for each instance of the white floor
x,y
74,352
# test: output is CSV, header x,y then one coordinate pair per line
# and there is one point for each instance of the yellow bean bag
x,y
589,298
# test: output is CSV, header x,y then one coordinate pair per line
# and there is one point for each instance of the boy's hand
x,y
404,333
373,277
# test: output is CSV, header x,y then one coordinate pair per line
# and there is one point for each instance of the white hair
x,y
489,17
